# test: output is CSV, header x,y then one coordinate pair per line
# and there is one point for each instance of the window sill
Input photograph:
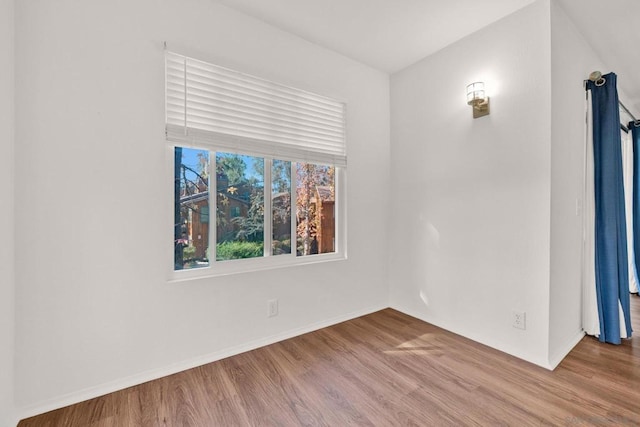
x,y
240,266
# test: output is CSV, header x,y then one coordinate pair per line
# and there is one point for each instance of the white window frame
x,y
269,150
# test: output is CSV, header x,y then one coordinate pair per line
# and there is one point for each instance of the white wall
x,y
470,222
94,310
6,213
572,59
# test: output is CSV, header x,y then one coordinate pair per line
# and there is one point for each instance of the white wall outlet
x,y
519,319
272,308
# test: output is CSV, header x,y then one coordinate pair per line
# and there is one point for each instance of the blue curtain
x,y
612,279
634,128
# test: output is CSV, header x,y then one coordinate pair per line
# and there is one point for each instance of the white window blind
x,y
211,105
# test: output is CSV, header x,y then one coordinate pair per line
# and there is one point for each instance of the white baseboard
x,y
152,374
474,337
555,360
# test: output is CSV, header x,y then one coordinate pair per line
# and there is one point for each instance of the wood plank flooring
x,y
384,369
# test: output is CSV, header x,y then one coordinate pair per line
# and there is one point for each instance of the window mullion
x,y
267,217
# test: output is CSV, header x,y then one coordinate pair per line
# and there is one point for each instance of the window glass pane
x,y
191,208
315,204
204,214
240,206
281,207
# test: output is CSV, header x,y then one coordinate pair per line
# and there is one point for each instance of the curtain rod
x,y
628,112
597,78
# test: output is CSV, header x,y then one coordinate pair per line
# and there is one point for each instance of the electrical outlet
x,y
519,319
272,305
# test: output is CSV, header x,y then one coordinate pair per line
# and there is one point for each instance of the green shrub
x,y
238,250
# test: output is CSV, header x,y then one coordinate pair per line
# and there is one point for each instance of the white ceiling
x,y
392,34
385,34
612,28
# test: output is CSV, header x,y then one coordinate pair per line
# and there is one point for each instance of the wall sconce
x,y
477,99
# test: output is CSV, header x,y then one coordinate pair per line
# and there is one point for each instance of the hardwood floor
x,y
384,369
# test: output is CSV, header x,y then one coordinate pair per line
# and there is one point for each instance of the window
x,y
275,157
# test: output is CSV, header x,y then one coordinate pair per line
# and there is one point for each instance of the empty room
x,y
425,213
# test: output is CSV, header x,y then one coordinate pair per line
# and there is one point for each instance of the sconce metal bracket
x,y
481,107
